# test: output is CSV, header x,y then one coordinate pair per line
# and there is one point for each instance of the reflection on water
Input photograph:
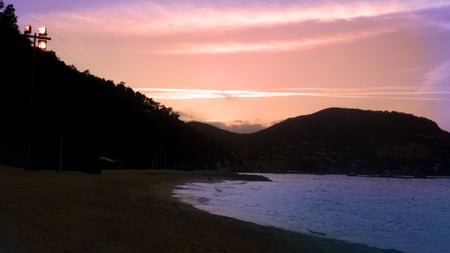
x,y
411,215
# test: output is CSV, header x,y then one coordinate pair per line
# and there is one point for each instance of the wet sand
x,y
129,211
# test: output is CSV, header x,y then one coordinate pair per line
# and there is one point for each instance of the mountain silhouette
x,y
340,140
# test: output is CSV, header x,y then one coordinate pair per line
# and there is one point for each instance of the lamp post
x,y
41,38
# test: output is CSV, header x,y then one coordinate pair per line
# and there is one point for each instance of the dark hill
x,y
88,121
337,140
225,137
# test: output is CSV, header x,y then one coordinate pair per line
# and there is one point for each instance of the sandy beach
x,y
129,211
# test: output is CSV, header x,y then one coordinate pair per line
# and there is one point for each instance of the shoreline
x,y
131,211
190,200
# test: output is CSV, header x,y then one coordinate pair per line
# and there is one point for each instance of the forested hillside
x,y
338,140
88,121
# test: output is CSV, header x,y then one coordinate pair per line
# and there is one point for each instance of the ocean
x,y
407,214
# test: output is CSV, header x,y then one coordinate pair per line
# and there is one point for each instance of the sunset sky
x,y
248,64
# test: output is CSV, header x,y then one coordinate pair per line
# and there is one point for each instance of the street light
x,y
42,38
42,44
27,29
42,31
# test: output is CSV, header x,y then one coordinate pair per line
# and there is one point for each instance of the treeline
x,y
89,122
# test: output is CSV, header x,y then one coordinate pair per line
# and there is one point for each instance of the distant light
x,y
42,44
42,31
27,29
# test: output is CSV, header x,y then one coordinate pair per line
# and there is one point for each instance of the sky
x,y
244,65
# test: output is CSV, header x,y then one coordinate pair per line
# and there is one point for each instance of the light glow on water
x,y
411,215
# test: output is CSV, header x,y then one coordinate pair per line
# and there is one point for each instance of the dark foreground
x,y
129,211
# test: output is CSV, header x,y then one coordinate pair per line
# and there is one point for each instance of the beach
x,y
130,211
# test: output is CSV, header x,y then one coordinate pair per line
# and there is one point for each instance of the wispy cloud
x,y
191,27
400,93
157,18
182,18
273,46
176,94
437,75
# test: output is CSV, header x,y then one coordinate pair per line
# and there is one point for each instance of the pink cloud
x,y
151,18
274,46
402,93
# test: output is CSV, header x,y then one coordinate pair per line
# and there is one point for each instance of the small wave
x,y
317,233
203,200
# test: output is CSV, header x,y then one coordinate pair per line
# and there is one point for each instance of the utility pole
x,y
41,39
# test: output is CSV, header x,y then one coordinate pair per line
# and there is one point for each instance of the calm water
x,y
411,215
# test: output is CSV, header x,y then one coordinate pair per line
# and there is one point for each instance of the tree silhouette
x,y
97,123
8,18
